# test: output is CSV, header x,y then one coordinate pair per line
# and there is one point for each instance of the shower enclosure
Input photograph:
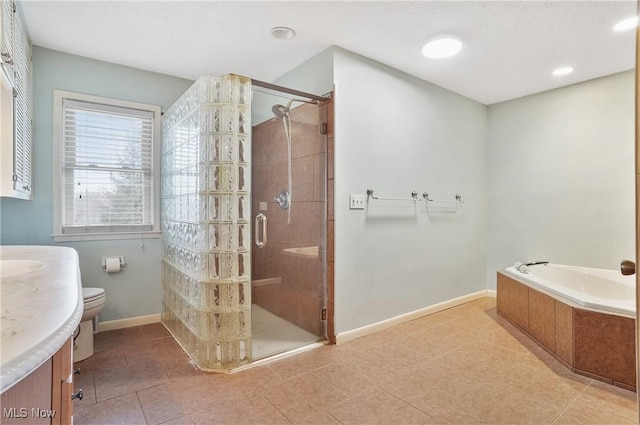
x,y
209,165
289,192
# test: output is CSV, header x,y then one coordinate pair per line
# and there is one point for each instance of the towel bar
x,y
414,197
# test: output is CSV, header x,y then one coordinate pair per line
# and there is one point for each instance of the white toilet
x,y
94,300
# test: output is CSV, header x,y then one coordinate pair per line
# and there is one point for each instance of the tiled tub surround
x,y
288,273
595,344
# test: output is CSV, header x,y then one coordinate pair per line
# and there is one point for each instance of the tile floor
x,y
464,365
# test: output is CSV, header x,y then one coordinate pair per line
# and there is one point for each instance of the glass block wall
x,y
205,189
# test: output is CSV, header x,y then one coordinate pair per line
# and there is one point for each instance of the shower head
x,y
280,111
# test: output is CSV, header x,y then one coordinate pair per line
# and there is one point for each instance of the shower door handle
x,y
261,218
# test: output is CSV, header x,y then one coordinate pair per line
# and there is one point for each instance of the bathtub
x,y
583,317
605,291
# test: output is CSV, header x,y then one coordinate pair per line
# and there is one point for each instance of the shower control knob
x,y
283,199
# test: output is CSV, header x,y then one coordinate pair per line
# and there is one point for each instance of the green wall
x,y
136,291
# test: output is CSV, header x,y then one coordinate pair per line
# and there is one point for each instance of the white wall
x,y
395,133
314,76
561,176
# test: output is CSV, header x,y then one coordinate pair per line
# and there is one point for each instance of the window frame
x,y
59,96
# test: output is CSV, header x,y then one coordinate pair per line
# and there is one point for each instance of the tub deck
x,y
590,343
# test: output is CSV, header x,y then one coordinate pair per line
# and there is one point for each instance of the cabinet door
x,y
6,135
23,108
6,35
29,401
15,118
62,384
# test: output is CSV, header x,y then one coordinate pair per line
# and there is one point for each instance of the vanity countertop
x,y
41,302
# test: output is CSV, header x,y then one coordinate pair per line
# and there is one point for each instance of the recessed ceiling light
x,y
565,70
441,46
282,33
626,24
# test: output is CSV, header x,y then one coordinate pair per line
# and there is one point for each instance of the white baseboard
x,y
342,337
346,336
128,322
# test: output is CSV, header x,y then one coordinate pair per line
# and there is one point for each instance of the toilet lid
x,y
90,294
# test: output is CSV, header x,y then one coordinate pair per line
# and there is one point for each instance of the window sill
x,y
78,237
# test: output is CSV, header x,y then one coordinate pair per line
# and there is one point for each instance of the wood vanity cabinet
x,y
62,385
44,396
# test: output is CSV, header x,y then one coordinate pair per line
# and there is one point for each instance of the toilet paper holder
x,y
120,258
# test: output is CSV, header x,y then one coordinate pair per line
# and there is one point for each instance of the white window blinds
x,y
107,181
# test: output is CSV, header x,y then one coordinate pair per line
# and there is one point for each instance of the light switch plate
x,y
356,202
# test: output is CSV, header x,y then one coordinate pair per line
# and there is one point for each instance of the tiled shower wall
x,y
291,284
206,176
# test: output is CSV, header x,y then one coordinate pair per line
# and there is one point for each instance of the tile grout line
x,y
274,371
144,414
406,402
606,406
278,410
337,390
329,413
574,398
349,396
431,416
565,409
95,391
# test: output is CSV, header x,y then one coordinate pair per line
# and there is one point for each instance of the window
x,y
106,168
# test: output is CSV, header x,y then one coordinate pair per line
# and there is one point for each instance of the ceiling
x,y
510,48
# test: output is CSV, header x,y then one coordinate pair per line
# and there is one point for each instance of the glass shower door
x,y
289,202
